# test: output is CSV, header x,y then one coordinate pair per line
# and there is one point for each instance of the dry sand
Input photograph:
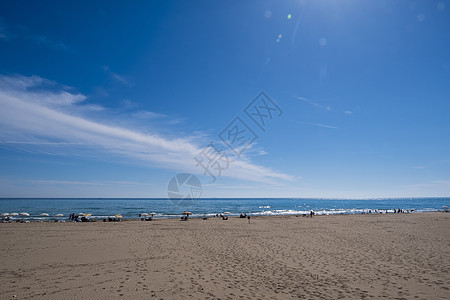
x,y
395,256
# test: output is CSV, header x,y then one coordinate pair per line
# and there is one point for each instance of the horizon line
x,y
228,198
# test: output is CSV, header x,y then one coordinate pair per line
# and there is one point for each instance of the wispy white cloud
x,y
21,32
122,182
48,42
38,143
135,111
99,183
14,32
64,182
324,125
4,33
227,186
262,152
315,104
125,80
128,104
143,114
320,125
55,114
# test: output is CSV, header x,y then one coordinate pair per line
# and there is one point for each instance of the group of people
x,y
311,214
111,219
145,217
379,211
224,217
7,219
77,218
221,216
80,218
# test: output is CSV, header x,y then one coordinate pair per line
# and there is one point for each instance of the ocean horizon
x,y
130,208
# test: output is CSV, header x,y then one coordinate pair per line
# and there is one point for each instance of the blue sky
x,y
109,99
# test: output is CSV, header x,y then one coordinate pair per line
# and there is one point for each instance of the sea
x,y
47,209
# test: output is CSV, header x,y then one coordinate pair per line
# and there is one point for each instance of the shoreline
x,y
232,216
367,256
60,209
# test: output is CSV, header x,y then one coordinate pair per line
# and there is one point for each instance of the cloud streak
x,y
118,78
4,34
48,42
18,32
323,125
101,183
310,102
319,125
36,111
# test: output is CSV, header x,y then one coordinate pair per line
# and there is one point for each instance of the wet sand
x,y
394,256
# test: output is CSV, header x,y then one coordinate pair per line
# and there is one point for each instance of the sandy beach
x,y
390,256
